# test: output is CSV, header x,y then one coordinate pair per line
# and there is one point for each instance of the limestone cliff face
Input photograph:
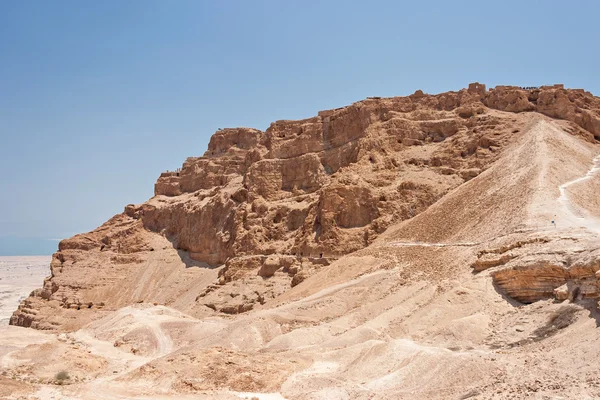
x,y
261,211
325,185
322,185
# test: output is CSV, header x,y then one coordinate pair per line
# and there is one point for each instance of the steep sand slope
x,y
394,321
519,192
580,201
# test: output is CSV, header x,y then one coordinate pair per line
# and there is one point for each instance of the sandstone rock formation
x,y
264,210
434,246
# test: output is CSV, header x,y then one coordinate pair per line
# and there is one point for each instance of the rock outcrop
x,y
262,211
544,268
575,105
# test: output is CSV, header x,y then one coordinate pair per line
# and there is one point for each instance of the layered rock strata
x,y
261,211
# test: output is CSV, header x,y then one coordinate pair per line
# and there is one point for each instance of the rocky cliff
x,y
261,212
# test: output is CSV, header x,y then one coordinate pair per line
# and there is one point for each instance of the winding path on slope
x,y
106,386
425,244
120,362
575,213
577,216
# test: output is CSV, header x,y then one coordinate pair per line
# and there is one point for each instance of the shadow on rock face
x,y
190,262
560,319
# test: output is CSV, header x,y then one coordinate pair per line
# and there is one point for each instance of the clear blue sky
x,y
98,97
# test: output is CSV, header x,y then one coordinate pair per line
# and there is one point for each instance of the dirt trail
x,y
547,146
576,215
120,362
423,244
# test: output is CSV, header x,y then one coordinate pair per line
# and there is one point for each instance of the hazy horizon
x,y
15,246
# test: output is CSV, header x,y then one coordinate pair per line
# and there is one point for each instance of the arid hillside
x,y
261,211
434,246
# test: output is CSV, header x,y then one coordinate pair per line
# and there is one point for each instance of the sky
x,y
98,97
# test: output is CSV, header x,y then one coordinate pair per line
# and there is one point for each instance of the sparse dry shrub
x,y
61,377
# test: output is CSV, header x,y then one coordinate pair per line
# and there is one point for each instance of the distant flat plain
x,y
19,276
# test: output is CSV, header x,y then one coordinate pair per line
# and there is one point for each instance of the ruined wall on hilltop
x,y
575,105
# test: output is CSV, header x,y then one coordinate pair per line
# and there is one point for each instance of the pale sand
x,y
19,276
